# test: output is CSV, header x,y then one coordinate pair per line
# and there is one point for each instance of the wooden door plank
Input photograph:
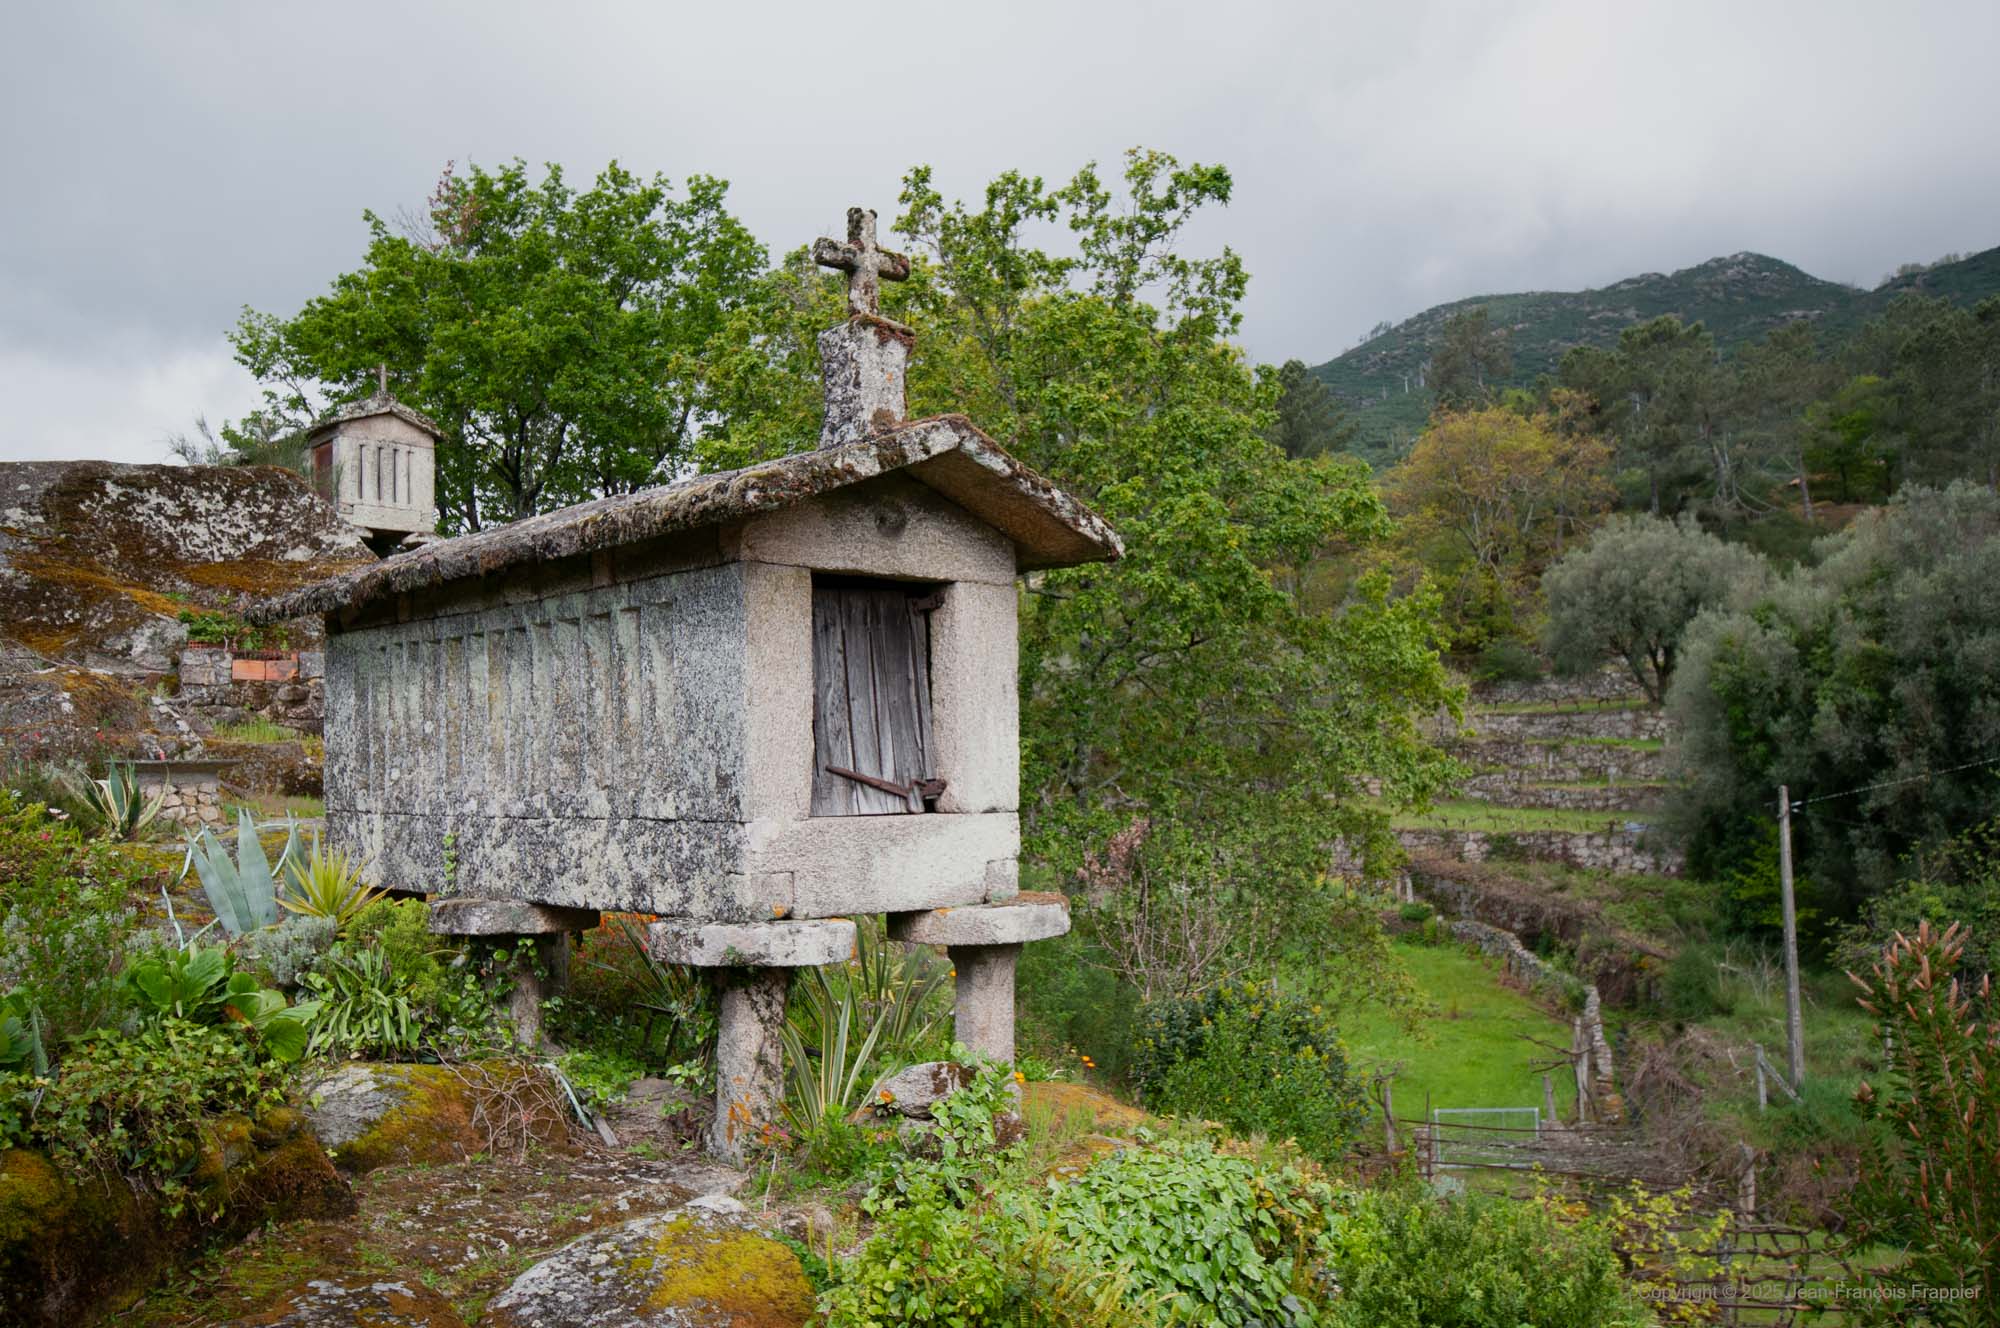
x,y
896,690
920,653
833,742
864,705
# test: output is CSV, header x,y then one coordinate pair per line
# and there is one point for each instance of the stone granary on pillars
x,y
375,460
756,703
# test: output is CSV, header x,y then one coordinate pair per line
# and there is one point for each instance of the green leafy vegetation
x,y
1405,1260
1260,1062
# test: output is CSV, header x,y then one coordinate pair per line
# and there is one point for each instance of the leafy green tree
x,y
1659,393
1847,435
560,339
1471,361
1632,591
1310,420
1776,381
1182,701
1867,679
1486,499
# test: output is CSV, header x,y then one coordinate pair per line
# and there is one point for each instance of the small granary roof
x,y
379,404
1049,528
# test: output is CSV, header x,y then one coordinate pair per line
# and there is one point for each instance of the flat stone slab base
x,y
801,943
506,917
1024,918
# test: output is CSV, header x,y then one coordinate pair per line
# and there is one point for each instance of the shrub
x,y
1255,1060
1216,1239
1507,660
1416,911
1928,1183
63,939
1691,988
138,1101
365,1006
1405,1259
446,991
199,984
925,1264
622,999
285,953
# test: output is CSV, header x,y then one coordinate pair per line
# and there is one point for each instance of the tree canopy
x,y
560,339
1193,735
1869,679
1488,497
1632,591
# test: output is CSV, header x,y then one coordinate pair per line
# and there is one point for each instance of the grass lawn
x,y
1494,819
1468,1053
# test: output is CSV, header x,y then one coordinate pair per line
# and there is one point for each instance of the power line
x,y
1800,803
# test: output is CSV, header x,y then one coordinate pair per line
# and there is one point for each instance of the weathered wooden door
x,y
872,697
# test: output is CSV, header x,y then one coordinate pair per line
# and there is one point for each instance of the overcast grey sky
x,y
166,164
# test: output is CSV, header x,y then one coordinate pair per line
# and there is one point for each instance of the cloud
x,y
120,405
169,165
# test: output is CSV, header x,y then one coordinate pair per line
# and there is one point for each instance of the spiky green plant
x,y
243,890
824,1079
879,1004
116,803
326,883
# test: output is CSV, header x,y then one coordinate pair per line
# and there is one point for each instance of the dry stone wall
x,y
1624,851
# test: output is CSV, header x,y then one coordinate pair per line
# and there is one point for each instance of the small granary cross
x,y
866,265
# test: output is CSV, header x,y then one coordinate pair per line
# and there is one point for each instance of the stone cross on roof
x,y
866,265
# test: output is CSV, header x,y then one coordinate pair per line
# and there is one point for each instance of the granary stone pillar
x,y
984,941
753,962
498,926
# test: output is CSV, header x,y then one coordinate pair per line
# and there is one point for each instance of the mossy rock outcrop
x,y
75,1248
701,1266
371,1115
359,1303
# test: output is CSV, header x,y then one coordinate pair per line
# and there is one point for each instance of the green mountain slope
x,y
1740,298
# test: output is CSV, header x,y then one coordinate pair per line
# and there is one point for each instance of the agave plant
x,y
21,1045
824,1078
326,883
242,890
116,802
841,1019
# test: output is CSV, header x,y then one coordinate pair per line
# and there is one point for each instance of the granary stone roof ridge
x,y
378,403
1049,527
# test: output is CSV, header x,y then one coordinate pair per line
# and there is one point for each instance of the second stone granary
x,y
756,703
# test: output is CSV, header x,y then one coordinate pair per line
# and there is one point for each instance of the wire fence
x,y
1728,1266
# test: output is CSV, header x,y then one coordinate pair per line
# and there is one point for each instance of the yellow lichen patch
x,y
265,576
433,1123
749,1276
90,582
32,1193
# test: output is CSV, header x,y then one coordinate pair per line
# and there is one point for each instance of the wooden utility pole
x,y
1795,1029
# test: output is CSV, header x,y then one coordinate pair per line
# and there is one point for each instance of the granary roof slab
x,y
1049,528
381,403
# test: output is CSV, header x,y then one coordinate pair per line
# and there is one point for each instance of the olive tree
x,y
1632,591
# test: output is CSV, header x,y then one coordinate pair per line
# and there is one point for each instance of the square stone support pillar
x,y
752,962
983,1015
497,927
984,941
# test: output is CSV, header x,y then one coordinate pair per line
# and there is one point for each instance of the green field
x,y
1469,1052
1471,814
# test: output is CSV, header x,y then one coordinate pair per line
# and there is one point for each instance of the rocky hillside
x,y
101,563
1739,298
